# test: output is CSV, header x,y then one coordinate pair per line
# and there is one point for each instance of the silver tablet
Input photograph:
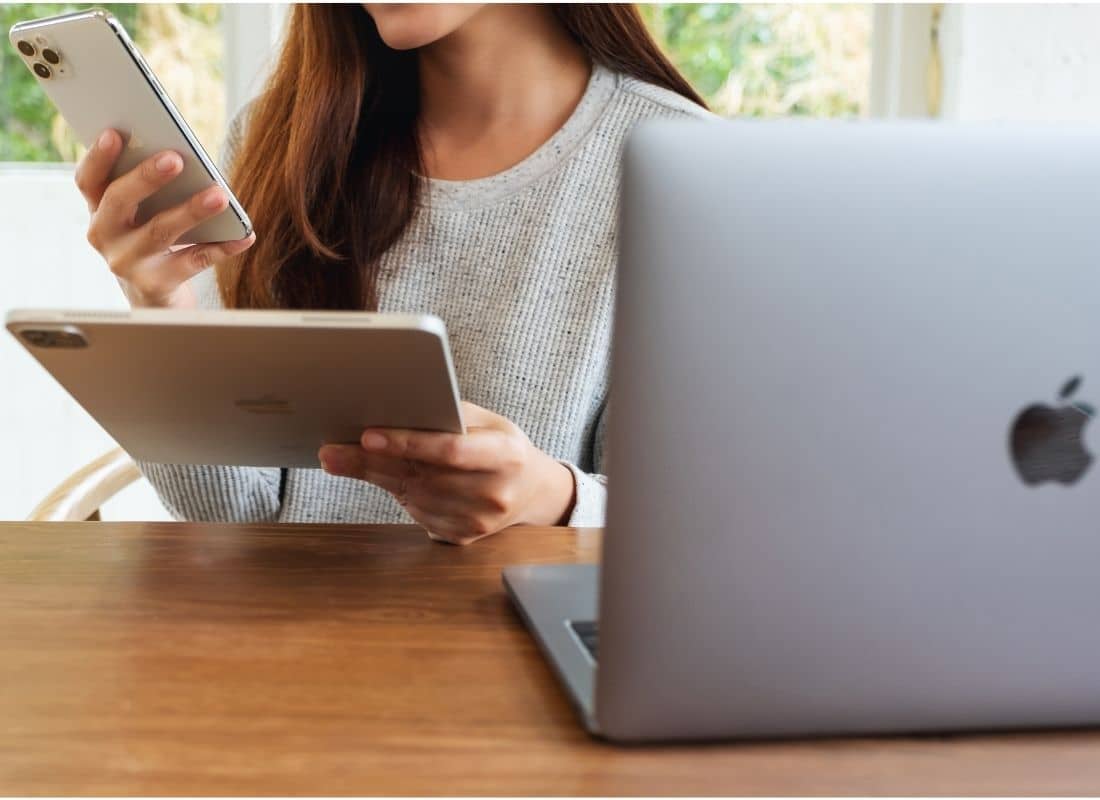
x,y
248,388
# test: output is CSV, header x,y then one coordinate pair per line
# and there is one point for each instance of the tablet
x,y
247,388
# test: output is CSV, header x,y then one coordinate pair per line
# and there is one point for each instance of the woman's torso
x,y
520,266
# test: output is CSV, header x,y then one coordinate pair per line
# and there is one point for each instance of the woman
x,y
459,160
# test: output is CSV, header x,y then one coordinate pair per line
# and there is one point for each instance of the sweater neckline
x,y
440,193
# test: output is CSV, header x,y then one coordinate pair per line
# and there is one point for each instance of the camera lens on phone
x,y
26,48
51,56
41,70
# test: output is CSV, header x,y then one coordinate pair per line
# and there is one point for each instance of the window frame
x,y
900,50
252,34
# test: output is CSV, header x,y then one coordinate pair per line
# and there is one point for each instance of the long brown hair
x,y
328,168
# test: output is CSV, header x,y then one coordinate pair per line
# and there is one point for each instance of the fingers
x,y
457,496
165,229
150,272
93,172
118,204
156,236
479,450
352,461
192,260
477,417
158,279
447,529
455,493
493,442
349,461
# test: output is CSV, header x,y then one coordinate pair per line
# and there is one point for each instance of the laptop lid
x,y
819,518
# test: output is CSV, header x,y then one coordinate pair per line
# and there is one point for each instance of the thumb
x,y
477,417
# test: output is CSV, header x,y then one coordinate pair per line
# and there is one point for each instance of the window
x,y
182,43
750,60
771,60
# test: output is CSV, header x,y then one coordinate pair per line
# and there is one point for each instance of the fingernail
x,y
213,199
240,245
104,140
166,163
373,441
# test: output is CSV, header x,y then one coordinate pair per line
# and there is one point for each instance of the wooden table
x,y
189,659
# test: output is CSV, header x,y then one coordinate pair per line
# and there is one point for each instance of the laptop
x,y
851,470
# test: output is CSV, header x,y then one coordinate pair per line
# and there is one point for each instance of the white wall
x,y
48,263
1021,62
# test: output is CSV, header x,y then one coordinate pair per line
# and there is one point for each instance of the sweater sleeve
x,y
217,493
590,503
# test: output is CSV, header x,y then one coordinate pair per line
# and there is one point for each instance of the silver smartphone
x,y
91,70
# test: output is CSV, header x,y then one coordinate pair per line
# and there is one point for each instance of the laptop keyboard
x,y
588,632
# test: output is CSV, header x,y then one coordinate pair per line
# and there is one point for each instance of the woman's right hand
x,y
150,274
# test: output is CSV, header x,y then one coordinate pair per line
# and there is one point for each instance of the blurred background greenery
x,y
768,60
755,60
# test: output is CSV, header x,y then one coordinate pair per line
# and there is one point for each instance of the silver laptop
x,y
852,487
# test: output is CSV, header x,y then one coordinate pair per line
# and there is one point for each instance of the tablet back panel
x,y
249,388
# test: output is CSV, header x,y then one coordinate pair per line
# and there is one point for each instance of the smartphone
x,y
91,70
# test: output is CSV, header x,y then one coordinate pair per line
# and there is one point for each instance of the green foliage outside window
x,y
783,59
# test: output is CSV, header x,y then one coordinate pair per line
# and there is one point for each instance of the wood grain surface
x,y
189,659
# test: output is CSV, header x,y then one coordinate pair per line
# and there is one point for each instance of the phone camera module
x,y
41,70
51,56
26,48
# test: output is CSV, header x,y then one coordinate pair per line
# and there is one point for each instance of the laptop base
x,y
550,598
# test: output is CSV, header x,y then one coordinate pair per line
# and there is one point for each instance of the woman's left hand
x,y
461,488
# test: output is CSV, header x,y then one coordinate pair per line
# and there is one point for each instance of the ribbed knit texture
x,y
520,266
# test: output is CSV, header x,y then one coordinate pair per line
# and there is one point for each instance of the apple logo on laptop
x,y
1047,441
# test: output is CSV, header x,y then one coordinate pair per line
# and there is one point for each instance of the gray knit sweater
x,y
520,266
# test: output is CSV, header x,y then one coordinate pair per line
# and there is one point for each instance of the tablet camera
x,y
58,338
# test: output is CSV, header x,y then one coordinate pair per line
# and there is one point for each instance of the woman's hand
x,y
138,255
461,488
